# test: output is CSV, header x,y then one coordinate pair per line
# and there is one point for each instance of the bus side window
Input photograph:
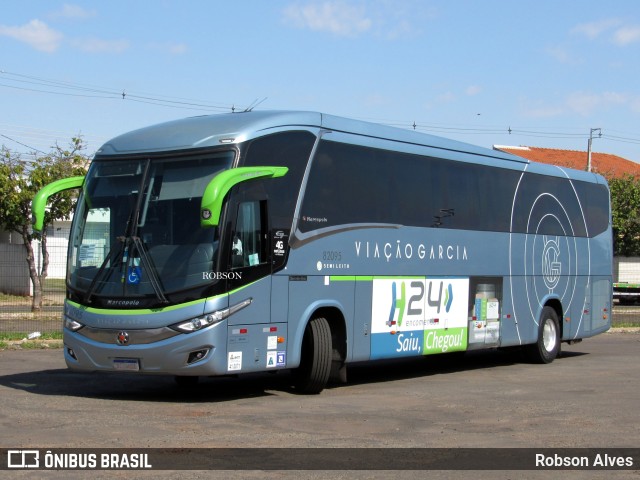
x,y
247,245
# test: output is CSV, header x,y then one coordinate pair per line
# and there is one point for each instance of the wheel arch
x,y
338,325
557,306
334,314
548,342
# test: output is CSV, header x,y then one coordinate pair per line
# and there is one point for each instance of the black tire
x,y
547,347
315,364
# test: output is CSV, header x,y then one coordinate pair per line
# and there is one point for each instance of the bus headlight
x,y
204,321
198,323
71,324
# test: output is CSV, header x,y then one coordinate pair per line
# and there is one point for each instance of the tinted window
x,y
549,205
351,184
595,202
291,150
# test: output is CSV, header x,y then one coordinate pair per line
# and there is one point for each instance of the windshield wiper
x,y
126,254
150,268
147,265
111,256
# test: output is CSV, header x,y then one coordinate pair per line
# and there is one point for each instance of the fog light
x,y
71,353
197,355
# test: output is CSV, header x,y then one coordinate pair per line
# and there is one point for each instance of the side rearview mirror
x,y
39,201
219,186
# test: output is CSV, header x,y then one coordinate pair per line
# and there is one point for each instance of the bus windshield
x,y
137,232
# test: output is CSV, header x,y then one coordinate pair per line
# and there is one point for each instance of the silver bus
x,y
263,241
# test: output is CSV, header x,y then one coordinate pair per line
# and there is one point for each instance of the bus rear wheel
x,y
315,364
547,347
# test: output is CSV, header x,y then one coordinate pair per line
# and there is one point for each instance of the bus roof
x,y
230,128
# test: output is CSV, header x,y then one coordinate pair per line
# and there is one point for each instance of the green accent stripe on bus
x,y
399,277
370,278
144,311
148,311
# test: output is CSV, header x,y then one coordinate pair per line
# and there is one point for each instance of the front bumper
x,y
162,354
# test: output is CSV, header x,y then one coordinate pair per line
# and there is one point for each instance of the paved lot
x,y
587,398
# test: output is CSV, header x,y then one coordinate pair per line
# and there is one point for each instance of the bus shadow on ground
x,y
412,367
152,388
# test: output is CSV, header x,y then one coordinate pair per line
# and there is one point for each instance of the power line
x,y
537,133
33,149
64,88
622,139
53,92
491,130
56,87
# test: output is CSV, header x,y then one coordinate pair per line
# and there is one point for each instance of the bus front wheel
x,y
315,363
547,348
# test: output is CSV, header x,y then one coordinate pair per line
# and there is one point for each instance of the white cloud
x,y
177,48
626,35
616,30
170,48
36,33
595,29
97,45
72,12
394,19
584,104
560,54
473,90
446,97
337,17
542,111
587,103
389,19
375,100
563,55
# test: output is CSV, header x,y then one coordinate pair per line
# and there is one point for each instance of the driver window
x,y
247,245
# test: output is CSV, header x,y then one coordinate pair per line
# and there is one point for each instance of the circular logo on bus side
x,y
551,265
549,253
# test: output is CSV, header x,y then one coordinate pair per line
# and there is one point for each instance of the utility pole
x,y
599,130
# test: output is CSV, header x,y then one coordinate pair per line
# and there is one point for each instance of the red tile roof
x,y
603,163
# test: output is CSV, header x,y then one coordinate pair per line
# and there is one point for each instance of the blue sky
x,y
471,70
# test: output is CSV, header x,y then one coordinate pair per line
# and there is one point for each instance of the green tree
x,y
20,180
625,212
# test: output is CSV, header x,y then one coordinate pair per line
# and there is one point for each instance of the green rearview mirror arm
x,y
39,201
219,186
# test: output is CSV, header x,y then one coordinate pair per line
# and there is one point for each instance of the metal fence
x,y
16,291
